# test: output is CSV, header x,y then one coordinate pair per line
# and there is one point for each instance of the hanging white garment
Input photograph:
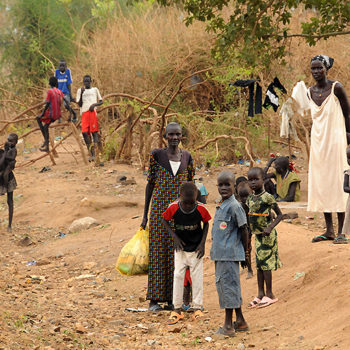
x,y
287,126
327,156
299,94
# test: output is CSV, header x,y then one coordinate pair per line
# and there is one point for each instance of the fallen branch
x,y
247,144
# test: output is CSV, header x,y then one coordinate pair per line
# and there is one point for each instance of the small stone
x,y
240,346
57,329
208,339
301,337
265,329
79,328
82,224
123,298
89,265
43,262
175,329
151,342
319,347
25,242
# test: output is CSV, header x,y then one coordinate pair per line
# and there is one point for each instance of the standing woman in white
x,y
330,122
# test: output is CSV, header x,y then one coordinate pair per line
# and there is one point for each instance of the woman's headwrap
x,y
327,61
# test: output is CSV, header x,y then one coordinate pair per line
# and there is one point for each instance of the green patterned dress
x,y
260,217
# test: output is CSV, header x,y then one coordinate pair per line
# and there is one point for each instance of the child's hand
x,y
200,250
178,243
92,107
244,264
7,146
82,90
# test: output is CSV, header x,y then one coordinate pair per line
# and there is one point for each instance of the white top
x,y
174,166
299,94
90,96
327,156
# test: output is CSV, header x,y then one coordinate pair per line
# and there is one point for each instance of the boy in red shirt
x,y
190,232
51,111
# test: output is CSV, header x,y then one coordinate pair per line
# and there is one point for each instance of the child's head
x,y
243,192
62,66
12,140
53,82
226,184
348,154
241,179
188,196
256,179
87,81
281,165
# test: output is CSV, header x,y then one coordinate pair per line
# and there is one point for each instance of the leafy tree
x,y
258,30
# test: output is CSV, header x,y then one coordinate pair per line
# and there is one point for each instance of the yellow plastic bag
x,y
133,258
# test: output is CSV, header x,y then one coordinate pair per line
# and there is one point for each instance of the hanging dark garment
x,y
271,98
253,100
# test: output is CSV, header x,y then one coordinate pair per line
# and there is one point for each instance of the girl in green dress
x,y
262,223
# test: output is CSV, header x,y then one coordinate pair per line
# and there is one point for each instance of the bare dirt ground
x,y
52,305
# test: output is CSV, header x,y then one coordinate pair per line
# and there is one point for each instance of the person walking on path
x,y
330,122
169,168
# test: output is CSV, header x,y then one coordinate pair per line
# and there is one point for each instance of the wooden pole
x,y
77,138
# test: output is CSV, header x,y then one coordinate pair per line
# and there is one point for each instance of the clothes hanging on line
x,y
271,98
287,125
299,94
255,100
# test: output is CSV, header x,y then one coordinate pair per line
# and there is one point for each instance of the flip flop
x,y
254,303
240,328
321,238
175,318
155,308
266,301
341,240
198,315
224,332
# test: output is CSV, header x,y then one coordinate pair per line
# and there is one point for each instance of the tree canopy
x,y
258,30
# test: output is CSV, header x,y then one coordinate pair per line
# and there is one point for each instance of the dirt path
x,y
52,305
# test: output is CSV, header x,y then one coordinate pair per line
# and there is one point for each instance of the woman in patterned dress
x,y
169,167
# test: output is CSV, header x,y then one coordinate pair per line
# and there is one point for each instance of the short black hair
x,y
258,170
87,76
282,162
188,189
15,136
241,179
244,191
53,82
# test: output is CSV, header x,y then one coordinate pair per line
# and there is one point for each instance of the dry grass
x,y
138,54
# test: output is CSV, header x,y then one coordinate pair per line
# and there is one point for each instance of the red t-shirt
x,y
188,225
54,97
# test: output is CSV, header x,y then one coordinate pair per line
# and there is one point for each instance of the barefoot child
x,y
243,190
189,242
88,98
51,111
287,187
262,225
229,247
7,180
341,238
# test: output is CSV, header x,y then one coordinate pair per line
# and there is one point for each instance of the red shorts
x,y
46,120
188,278
89,122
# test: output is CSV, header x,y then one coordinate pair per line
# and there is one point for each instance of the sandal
x,y
175,318
341,239
198,315
155,308
240,328
266,301
223,331
254,303
321,238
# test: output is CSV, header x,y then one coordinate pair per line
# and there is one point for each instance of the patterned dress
x,y
260,217
161,248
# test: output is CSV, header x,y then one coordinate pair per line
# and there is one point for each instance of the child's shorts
x,y
228,284
89,122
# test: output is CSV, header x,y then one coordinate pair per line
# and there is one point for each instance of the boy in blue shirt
x,y
229,247
65,81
